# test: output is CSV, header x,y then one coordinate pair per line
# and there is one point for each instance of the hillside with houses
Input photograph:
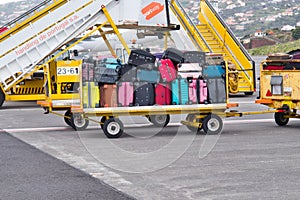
x,y
247,19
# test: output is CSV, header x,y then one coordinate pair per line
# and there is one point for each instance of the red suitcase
x,y
163,94
125,93
167,70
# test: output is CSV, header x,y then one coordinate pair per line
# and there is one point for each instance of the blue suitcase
x,y
214,71
150,76
180,92
112,63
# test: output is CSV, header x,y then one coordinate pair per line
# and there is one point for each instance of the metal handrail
x,y
25,15
191,23
228,30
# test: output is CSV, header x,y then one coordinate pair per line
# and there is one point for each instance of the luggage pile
x,y
177,78
282,61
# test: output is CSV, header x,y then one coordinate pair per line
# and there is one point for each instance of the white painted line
x,y
45,129
42,129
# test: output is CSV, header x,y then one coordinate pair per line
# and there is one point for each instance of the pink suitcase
x,y
125,94
167,70
202,91
193,91
189,70
197,91
163,94
87,72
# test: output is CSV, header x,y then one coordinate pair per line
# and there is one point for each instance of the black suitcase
x,y
216,90
194,57
142,58
292,66
175,55
105,75
127,73
144,94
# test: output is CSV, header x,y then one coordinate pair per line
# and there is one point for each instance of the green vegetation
x,y
296,33
278,48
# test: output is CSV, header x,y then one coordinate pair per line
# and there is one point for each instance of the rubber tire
x,y
102,120
66,119
155,120
76,126
190,118
280,120
249,93
209,122
2,97
113,128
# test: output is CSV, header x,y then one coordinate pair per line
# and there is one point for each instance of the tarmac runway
x,y
28,173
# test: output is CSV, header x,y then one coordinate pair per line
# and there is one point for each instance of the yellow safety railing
x,y
232,48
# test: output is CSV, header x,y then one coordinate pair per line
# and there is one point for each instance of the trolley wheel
x,y
212,124
148,117
102,120
113,128
67,117
159,120
78,122
2,97
192,118
280,119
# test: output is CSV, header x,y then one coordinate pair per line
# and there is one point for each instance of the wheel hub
x,y
113,128
213,124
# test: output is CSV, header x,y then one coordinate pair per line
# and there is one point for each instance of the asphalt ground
x,y
28,173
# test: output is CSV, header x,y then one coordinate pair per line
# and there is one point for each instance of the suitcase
x,y
167,70
216,90
127,73
144,94
163,94
190,70
203,93
273,67
214,59
90,95
139,57
175,55
194,57
292,66
296,55
105,75
125,91
180,92
108,95
87,72
193,91
111,63
197,91
214,71
279,56
150,76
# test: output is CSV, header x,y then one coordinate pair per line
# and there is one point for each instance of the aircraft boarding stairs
x,y
212,35
38,33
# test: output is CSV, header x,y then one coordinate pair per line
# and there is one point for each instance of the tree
x,y
296,33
